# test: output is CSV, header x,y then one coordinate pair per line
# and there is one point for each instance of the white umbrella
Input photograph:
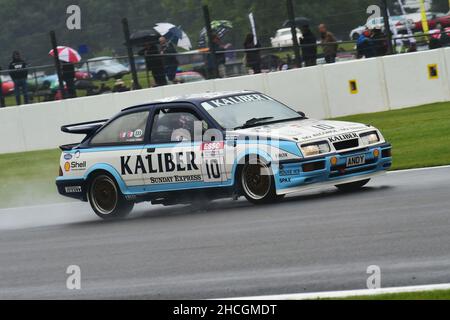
x,y
174,34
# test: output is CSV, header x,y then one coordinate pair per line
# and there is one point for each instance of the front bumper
x,y
72,188
294,176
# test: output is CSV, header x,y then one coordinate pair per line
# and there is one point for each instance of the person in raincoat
x,y
155,64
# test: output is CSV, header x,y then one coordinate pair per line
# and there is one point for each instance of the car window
x,y
175,125
236,111
128,129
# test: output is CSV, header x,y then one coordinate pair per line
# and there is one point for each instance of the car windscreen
x,y
240,110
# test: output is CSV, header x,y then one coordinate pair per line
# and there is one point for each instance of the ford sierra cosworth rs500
x,y
214,145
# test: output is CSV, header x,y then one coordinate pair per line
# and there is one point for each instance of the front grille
x,y
347,144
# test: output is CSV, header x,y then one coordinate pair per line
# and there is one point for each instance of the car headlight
x,y
370,138
314,149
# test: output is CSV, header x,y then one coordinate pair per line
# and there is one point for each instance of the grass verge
x,y
420,137
425,295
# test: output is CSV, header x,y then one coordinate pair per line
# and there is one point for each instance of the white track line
x,y
347,294
419,169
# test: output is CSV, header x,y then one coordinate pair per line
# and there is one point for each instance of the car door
x,y
119,146
175,152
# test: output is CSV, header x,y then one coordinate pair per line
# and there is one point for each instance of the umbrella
x,y
67,54
219,27
141,37
174,34
299,22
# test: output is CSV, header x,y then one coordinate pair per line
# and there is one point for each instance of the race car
x,y
214,145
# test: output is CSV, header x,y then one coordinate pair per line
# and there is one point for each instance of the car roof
x,y
101,58
197,98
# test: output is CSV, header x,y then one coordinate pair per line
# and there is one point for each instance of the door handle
x,y
151,150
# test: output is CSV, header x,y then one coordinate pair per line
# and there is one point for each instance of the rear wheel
x,y
353,186
257,182
106,199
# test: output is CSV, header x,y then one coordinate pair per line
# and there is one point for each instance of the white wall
x,y
321,92
368,76
408,82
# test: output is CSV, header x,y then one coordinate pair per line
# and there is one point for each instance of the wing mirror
x,y
302,114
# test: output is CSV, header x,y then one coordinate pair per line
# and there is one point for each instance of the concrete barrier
x,y
408,80
345,88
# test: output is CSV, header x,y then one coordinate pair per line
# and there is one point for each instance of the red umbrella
x,y
67,54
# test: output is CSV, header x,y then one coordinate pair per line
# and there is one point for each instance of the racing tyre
x,y
257,183
353,186
106,199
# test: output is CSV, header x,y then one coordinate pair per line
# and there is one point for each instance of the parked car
x,y
7,85
283,38
103,68
82,75
435,21
188,76
398,25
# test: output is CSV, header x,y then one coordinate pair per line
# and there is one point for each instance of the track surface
x,y
314,242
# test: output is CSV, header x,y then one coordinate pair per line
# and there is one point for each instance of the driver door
x,y
175,154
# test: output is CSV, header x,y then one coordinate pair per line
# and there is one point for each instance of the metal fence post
x,y
212,50
387,27
291,15
57,63
126,33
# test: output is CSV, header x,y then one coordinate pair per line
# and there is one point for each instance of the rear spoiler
x,y
83,128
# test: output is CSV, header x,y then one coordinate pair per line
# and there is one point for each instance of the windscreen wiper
x,y
253,122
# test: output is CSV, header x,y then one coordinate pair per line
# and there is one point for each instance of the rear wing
x,y
83,128
87,128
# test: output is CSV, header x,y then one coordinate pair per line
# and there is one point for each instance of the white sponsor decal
x,y
74,189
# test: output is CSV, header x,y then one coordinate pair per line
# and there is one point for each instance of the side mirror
x,y
302,114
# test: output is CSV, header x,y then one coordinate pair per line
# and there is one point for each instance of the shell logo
x,y
67,166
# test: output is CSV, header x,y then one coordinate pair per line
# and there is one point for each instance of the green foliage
x,y
25,25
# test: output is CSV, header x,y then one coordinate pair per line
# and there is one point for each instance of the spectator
x,y
19,74
309,46
379,42
154,63
445,39
170,61
329,44
68,75
412,46
220,57
364,45
253,57
434,43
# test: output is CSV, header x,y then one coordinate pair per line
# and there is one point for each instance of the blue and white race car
x,y
214,145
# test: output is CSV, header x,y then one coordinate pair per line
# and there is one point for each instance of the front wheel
x,y
257,183
106,200
353,186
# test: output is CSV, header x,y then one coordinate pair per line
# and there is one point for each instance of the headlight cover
x,y
315,149
369,138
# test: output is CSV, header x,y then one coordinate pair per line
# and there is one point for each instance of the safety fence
x,y
104,75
